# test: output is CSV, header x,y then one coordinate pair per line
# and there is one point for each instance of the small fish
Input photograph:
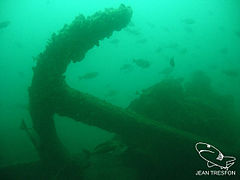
x,y
172,62
4,24
126,67
90,75
231,72
105,148
109,147
142,63
189,21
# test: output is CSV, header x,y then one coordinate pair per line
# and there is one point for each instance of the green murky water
x,y
176,62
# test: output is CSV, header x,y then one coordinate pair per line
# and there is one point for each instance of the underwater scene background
x,y
174,62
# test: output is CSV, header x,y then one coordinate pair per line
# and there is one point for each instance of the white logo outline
x,y
220,157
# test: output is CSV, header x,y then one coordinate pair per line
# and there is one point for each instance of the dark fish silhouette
x,y
172,62
109,147
4,24
90,75
234,73
142,63
105,147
